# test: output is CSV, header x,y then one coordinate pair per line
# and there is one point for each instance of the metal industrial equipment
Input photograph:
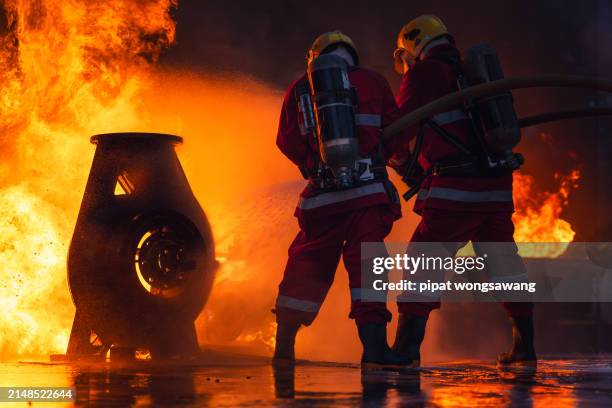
x,y
141,262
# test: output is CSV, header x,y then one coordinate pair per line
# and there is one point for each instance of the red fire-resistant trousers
x,y
314,256
448,226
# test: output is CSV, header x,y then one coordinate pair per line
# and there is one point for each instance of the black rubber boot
x,y
376,351
284,380
284,353
523,351
409,336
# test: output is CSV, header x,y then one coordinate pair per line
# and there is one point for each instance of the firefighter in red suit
x,y
454,208
334,222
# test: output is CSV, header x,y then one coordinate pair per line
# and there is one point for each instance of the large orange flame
x,y
69,69
77,68
538,214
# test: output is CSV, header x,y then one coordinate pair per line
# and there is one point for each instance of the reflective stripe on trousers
x,y
323,199
465,196
368,295
425,296
297,304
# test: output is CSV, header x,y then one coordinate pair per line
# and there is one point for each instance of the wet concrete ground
x,y
220,382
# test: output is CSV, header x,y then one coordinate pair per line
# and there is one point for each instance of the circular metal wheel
x,y
166,265
157,269
166,256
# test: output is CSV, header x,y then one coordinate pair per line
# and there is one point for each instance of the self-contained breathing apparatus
x,y
494,127
328,105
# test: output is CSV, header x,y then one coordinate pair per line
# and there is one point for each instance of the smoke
x,y
245,188
249,191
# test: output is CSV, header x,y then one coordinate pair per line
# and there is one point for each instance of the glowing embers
x,y
163,260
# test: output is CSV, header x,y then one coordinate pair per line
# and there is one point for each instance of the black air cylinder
x,y
501,129
335,116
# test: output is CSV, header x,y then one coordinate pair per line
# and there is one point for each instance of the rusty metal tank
x,y
141,261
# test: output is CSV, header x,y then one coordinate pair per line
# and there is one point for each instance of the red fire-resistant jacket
x,y
431,78
377,109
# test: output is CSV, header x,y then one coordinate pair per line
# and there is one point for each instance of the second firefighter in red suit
x,y
334,222
454,208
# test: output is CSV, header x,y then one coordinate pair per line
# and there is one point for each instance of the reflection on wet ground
x,y
555,383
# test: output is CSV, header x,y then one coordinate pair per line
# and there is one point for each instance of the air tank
x,y
334,103
501,129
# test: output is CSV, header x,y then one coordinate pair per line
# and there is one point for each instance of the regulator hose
x,y
493,88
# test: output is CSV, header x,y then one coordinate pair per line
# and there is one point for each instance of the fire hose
x,y
504,85
489,89
599,254
561,115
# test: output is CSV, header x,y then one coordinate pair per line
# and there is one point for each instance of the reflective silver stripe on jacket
x,y
465,196
308,203
297,304
361,119
445,118
368,119
304,130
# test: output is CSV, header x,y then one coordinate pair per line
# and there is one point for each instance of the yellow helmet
x,y
415,35
330,38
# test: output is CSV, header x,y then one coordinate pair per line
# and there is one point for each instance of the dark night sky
x,y
269,39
